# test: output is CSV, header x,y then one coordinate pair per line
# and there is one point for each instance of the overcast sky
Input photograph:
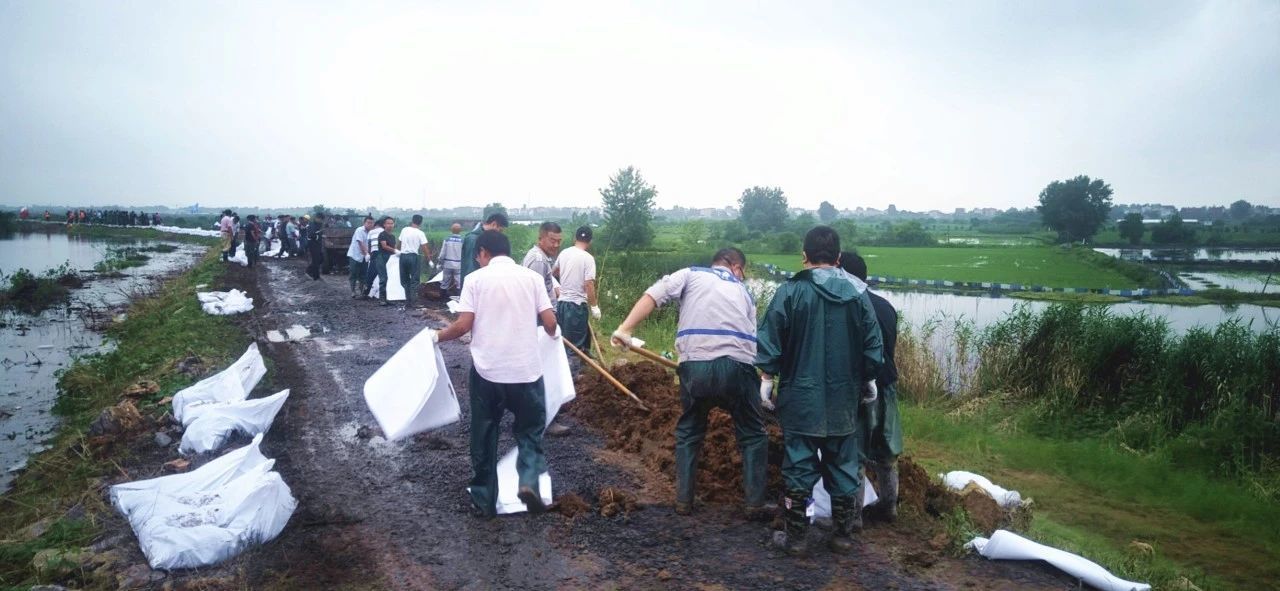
x,y
926,105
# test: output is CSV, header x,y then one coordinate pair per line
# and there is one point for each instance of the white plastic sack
x,y
1006,545
557,378
821,506
232,384
438,278
210,514
222,303
395,291
411,392
210,430
240,256
452,305
959,479
187,231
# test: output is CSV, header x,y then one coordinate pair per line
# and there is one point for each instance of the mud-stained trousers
x,y
733,386
410,275
355,274
572,319
840,469
489,400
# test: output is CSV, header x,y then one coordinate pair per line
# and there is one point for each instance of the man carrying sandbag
x,y
716,340
499,306
882,427
821,337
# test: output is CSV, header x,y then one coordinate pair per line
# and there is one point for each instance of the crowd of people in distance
x,y
110,217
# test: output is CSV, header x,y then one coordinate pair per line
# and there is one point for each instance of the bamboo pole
x,y
608,376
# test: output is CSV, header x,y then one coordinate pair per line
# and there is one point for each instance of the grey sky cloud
x,y
922,104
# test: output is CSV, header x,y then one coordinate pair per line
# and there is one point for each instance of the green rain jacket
x,y
821,336
469,252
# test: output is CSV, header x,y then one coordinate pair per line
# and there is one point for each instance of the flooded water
x,y
34,348
1252,282
1193,254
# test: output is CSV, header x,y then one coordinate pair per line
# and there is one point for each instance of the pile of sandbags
x,y
215,408
223,303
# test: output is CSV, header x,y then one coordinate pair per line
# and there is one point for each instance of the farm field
x,y
1034,265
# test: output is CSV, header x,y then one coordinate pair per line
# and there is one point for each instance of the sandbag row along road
x,y
373,514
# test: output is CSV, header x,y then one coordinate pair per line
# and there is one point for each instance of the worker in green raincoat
x,y
820,337
716,340
496,221
881,423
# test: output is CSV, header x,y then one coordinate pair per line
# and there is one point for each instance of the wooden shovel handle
x,y
608,376
654,356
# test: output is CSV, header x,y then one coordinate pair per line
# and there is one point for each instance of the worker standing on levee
x,y
496,221
881,425
499,305
716,340
820,337
576,270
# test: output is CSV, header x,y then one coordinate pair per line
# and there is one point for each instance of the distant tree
x,y
802,223
909,233
1173,231
694,233
847,229
786,242
522,237
319,209
493,208
1131,228
1241,210
628,209
763,209
827,212
735,232
1075,208
578,220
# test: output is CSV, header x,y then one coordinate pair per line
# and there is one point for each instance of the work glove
x,y
621,339
556,337
435,335
870,392
766,394
595,312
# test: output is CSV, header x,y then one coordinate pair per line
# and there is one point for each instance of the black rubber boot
x,y
846,521
887,478
795,524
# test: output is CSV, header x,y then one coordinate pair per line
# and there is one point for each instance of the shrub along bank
x,y
61,490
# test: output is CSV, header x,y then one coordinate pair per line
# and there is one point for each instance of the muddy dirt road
x,y
374,514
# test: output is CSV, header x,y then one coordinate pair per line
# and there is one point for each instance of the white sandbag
x,y
557,380
239,257
959,479
232,384
214,425
438,278
411,392
821,506
187,231
1006,545
137,500
223,303
509,486
395,291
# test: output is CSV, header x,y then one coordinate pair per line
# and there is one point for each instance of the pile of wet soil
x,y
651,436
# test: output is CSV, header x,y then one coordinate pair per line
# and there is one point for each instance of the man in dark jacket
x,y
252,234
821,338
495,221
881,425
315,245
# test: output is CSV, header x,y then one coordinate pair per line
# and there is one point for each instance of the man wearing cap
x,y
716,340
882,427
496,221
500,303
451,261
576,270
820,336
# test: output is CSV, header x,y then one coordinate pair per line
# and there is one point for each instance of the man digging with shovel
x,y
716,341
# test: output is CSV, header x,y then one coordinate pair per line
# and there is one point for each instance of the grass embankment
x,y
1122,431
1048,266
158,332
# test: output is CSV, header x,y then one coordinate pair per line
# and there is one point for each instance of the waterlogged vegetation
x,y
1121,431
32,293
128,257
1025,265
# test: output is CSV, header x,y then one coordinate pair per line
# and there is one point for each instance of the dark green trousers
x,y
733,386
489,400
883,427
410,275
572,319
839,468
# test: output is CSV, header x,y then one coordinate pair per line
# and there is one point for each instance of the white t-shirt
x,y
353,251
577,267
373,238
411,240
506,299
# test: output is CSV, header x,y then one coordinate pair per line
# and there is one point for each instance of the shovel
x,y
608,376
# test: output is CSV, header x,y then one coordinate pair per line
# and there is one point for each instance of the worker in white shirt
x,y
500,304
576,270
358,259
413,246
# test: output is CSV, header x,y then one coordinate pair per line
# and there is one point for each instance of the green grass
x,y
1077,298
1095,498
158,332
1028,265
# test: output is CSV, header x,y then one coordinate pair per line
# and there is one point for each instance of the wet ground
x,y
374,514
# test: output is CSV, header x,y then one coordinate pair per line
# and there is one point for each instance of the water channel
x,y
33,349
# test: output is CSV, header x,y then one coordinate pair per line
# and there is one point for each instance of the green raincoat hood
x,y
833,284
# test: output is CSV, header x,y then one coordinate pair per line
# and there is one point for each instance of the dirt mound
x,y
571,505
652,435
614,501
